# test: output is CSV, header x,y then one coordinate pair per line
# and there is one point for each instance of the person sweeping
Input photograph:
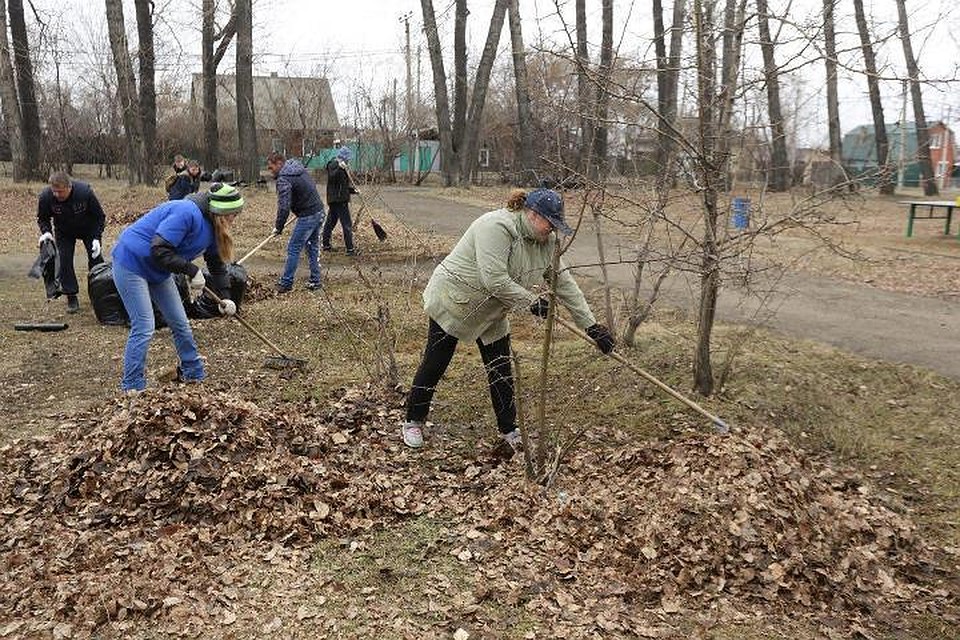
x,y
165,241
490,272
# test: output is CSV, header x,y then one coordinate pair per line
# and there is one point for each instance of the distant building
x,y
295,116
860,151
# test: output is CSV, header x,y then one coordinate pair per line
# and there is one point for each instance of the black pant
x,y
338,211
436,358
66,243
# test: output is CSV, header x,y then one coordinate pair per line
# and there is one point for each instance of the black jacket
x,y
47,266
339,186
79,216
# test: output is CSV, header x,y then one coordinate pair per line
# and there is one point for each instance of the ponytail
x,y
221,231
517,200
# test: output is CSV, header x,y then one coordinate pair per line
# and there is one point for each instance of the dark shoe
x,y
326,248
353,252
282,289
183,380
73,304
314,286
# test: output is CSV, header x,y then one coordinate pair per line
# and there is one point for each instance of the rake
x,y
719,425
279,361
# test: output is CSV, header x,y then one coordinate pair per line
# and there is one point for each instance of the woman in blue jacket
x,y
150,251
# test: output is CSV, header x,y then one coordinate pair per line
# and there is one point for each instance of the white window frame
x,y
935,140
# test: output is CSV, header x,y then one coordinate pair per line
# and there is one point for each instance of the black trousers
x,y
436,358
338,211
66,243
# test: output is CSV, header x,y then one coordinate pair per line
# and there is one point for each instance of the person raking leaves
x,y
487,274
163,242
67,211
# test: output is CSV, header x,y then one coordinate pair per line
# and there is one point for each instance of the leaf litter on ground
x,y
152,510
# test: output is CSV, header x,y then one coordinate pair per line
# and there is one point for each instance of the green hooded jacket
x,y
491,271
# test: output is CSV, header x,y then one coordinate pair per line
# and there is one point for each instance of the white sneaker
x,y
412,433
513,439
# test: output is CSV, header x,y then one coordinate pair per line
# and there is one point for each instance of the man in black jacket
x,y
68,211
339,188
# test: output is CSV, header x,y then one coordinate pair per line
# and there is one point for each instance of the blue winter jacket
x,y
183,186
296,193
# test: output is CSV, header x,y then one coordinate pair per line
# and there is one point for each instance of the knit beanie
x,y
225,199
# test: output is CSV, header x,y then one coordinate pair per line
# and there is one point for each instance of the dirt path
x,y
878,324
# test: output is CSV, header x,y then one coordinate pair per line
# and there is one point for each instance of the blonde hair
x,y
221,231
517,200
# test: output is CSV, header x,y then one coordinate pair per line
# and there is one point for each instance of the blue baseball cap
x,y
345,154
549,204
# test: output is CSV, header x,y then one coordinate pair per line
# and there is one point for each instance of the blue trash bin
x,y
740,213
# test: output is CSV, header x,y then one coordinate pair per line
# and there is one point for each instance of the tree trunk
x,y
460,74
126,89
886,182
526,153
471,134
246,121
660,48
148,93
710,266
31,134
734,22
833,100
779,175
603,90
585,96
9,103
211,126
920,121
447,159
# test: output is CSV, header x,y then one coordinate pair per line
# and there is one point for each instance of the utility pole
x,y
405,19
903,137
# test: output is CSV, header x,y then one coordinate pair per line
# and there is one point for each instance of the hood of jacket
x,y
292,168
202,200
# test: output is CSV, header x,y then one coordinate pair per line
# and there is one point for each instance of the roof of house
x,y
859,143
279,102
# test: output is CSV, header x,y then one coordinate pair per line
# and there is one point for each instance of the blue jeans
x,y
306,233
136,294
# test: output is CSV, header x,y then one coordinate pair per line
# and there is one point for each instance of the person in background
x,y
68,210
488,273
163,242
297,194
185,182
339,189
179,163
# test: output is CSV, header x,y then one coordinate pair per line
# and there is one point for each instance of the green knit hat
x,y
225,199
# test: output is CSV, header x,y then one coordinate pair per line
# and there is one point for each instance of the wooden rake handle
x,y
257,248
246,324
720,425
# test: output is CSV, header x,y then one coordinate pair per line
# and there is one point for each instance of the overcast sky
x,y
360,43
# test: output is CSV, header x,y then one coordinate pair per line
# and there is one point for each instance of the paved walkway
x,y
893,327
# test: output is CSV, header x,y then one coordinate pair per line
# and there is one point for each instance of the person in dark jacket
x,y
339,188
147,254
68,211
297,194
186,182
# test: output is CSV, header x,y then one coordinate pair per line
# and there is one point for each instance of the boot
x,y
73,304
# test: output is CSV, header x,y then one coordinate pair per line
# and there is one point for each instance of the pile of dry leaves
x,y
134,510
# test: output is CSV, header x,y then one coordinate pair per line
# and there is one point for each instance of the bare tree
x,y
603,89
30,131
920,120
447,159
779,163
668,75
212,54
525,152
584,93
9,102
460,103
126,90
885,177
246,122
833,100
148,93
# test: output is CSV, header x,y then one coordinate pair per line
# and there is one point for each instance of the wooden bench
x,y
935,210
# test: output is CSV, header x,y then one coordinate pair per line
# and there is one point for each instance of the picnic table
x,y
933,212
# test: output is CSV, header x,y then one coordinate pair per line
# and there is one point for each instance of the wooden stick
x,y
257,248
721,426
247,325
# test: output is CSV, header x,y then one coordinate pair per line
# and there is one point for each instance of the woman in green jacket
x,y
490,272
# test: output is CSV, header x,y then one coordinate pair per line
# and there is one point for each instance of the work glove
x,y
602,336
227,307
197,283
45,236
276,231
540,307
95,249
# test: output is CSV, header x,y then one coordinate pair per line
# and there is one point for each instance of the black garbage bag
x,y
47,266
106,300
